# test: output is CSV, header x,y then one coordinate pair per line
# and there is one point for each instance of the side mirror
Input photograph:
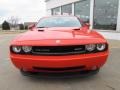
x,y
31,27
87,24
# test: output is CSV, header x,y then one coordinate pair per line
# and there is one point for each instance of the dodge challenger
x,y
59,45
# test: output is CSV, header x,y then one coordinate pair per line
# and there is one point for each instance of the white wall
x,y
55,3
49,12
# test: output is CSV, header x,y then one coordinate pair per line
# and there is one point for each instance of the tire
x,y
28,73
25,73
96,71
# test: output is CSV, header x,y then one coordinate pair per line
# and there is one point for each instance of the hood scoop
x,y
76,29
41,30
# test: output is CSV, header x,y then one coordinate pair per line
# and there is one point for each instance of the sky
x,y
25,10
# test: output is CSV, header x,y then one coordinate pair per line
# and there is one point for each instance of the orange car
x,y
59,45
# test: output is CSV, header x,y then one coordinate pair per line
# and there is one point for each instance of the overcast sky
x,y
25,10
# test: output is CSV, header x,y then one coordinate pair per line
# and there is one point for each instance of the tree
x,y
13,21
5,25
26,27
21,26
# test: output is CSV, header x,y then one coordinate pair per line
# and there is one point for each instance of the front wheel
x,y
96,71
26,73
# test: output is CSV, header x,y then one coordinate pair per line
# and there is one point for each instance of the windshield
x,y
59,22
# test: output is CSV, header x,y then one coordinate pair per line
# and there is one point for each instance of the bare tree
x,y
14,21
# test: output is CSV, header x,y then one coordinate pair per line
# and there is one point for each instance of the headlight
x,y
16,49
101,47
90,47
27,49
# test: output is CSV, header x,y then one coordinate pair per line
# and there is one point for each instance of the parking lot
x,y
107,79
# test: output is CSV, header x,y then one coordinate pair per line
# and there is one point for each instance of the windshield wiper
x,y
42,27
41,30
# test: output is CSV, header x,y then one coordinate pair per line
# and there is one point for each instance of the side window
x,y
67,9
82,10
56,11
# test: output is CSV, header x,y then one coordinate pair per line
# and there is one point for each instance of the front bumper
x,y
83,73
54,63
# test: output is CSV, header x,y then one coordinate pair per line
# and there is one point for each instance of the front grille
x,y
59,69
58,50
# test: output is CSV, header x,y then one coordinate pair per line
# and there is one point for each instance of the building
x,y
27,24
101,14
0,27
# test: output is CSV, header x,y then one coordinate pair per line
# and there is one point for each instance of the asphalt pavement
x,y
107,79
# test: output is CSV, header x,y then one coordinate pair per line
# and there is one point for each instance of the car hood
x,y
55,36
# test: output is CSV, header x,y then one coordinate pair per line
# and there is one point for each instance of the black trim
x,y
58,50
84,73
59,69
59,53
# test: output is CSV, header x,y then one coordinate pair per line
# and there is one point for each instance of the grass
x,y
11,31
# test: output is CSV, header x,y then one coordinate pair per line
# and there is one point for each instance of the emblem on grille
x,y
58,41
